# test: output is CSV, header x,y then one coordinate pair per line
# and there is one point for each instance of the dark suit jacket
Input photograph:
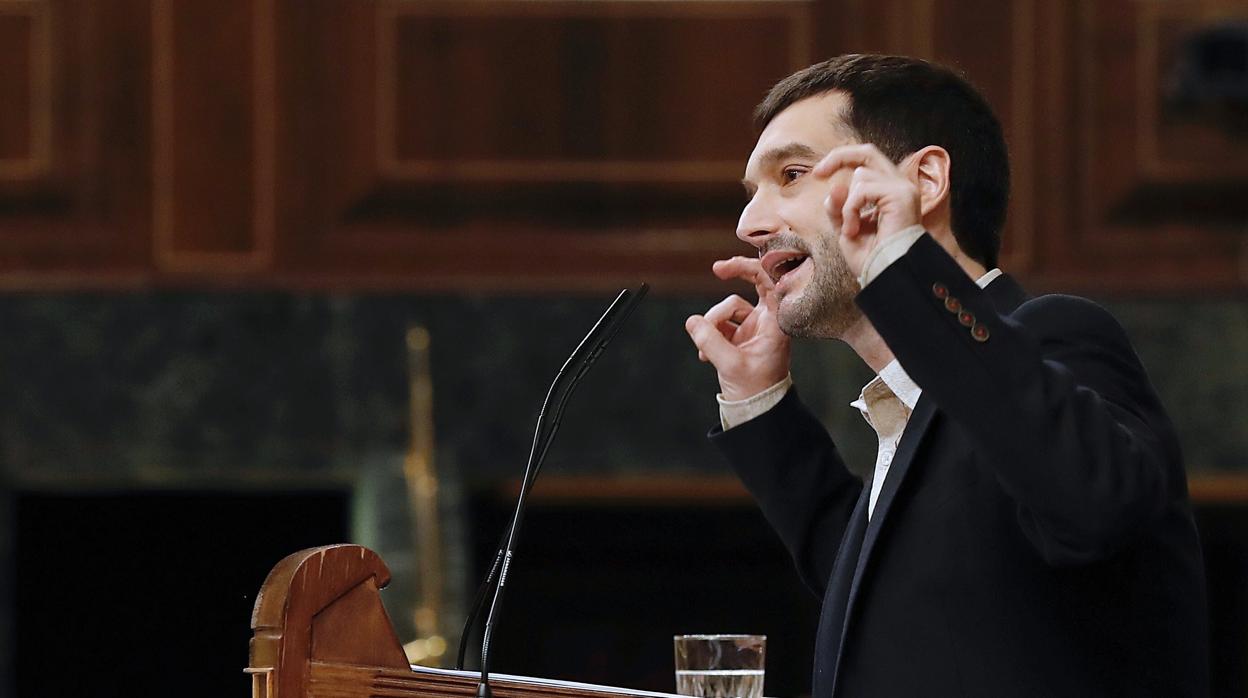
x,y
1033,536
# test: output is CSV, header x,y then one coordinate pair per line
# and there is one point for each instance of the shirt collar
x,y
901,385
892,382
988,277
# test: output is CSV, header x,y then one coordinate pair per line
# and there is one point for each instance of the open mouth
x,y
780,262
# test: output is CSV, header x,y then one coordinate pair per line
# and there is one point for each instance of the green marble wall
x,y
176,388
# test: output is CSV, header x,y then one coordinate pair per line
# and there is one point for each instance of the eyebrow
x,y
779,153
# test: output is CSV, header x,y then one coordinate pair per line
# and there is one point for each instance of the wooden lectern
x,y
320,630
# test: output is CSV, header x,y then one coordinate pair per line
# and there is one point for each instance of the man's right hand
x,y
743,342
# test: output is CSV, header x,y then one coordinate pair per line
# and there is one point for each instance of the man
x,y
1026,529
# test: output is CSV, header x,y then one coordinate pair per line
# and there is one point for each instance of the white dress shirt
x,y
886,403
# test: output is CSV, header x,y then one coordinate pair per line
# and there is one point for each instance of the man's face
x,y
786,220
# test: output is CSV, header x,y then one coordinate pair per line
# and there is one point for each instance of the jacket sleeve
x,y
788,462
1053,398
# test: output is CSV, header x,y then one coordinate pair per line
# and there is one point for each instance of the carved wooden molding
x,y
295,594
320,629
39,160
1148,26
165,196
1119,170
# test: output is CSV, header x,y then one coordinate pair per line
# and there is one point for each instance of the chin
x,y
816,318
797,320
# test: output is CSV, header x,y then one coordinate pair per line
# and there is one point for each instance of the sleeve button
x,y
952,304
966,318
979,333
940,291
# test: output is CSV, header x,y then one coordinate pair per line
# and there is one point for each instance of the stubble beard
x,y
825,308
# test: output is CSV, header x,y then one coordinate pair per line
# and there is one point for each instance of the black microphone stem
x,y
609,333
585,354
478,602
483,689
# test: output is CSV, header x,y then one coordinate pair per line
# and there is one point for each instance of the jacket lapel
x,y
832,616
920,421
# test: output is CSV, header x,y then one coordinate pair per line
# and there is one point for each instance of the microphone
x,y
583,357
580,361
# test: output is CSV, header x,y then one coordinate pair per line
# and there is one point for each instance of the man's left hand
x,y
874,203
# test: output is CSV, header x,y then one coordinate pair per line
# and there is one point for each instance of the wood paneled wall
x,y
563,144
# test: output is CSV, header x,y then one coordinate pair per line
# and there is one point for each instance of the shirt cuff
x,y
888,252
736,412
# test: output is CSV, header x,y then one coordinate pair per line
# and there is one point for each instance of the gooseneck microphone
x,y
582,358
576,366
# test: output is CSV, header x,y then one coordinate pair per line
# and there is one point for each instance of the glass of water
x,y
720,666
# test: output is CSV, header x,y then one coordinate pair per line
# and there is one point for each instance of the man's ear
x,y
931,165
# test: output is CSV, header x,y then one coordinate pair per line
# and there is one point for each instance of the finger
x,y
748,269
745,268
865,175
712,346
835,200
849,219
857,155
733,309
728,315
863,195
728,330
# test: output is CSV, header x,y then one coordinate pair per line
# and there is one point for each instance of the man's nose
x,y
758,222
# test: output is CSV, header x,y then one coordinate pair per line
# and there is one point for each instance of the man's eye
x,y
791,173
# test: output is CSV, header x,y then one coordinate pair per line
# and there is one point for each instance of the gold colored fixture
x,y
429,647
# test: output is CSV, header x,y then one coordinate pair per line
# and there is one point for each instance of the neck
x,y
945,238
972,268
868,344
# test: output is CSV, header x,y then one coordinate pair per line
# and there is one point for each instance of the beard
x,y
824,308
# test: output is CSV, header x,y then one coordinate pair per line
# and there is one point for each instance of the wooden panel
x,y
700,490
565,144
213,135
25,89
73,181
605,91
530,144
1001,64
1193,92
1158,185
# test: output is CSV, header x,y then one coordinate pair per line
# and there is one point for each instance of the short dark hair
x,y
903,104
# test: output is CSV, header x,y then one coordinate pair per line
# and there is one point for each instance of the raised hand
x,y
743,341
875,202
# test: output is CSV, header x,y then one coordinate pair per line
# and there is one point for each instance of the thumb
x,y
710,342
